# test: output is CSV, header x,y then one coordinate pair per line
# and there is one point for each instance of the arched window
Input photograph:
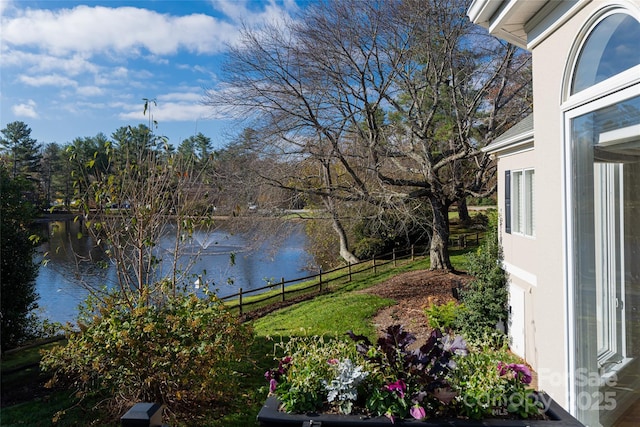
x,y
611,48
603,161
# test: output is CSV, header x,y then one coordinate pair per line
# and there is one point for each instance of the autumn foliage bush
x,y
181,353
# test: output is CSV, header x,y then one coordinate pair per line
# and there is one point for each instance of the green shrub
x,y
486,297
442,316
18,271
181,354
369,247
491,383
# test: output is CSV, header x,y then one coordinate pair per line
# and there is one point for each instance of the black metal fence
x,y
246,300
278,292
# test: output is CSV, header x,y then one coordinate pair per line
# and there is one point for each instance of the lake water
x,y
59,283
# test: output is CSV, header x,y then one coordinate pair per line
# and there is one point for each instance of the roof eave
x,y
481,11
515,142
506,19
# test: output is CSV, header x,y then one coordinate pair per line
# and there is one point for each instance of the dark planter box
x,y
269,416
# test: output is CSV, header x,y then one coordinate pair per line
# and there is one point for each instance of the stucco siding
x,y
550,296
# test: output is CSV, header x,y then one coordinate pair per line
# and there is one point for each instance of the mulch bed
x,y
414,292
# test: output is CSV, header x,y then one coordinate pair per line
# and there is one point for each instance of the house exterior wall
x,y
548,325
518,260
550,299
583,258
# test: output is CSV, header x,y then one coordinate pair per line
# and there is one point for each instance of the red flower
x,y
399,387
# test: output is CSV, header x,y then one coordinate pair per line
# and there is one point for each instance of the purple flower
x,y
502,368
399,387
282,365
455,345
272,386
520,371
417,412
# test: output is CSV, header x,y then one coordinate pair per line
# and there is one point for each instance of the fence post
x,y
320,283
143,414
412,254
240,300
282,287
349,271
395,264
375,270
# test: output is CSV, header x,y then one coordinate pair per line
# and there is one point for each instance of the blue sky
x,y
76,68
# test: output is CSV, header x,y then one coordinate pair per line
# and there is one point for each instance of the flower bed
x,y
271,416
442,382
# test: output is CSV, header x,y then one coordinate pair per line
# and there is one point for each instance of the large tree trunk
x,y
463,211
439,248
345,252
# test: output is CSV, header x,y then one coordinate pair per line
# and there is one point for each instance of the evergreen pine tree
x,y
18,272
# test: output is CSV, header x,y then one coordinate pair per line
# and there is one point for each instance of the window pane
x,y
611,48
605,148
516,202
529,192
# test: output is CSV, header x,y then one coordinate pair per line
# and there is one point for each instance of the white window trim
x,y
520,273
569,113
523,204
617,82
615,89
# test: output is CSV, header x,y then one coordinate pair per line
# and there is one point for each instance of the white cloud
x,y
89,91
123,31
240,10
47,80
27,109
198,69
110,76
38,62
180,97
4,5
165,112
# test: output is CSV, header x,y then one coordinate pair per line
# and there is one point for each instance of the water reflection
x,y
229,261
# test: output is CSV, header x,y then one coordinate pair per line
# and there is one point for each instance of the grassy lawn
x,y
21,375
328,315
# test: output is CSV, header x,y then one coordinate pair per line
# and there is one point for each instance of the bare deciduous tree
x,y
391,100
141,196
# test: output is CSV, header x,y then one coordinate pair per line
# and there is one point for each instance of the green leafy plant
x,y
182,353
492,383
18,296
442,316
485,299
